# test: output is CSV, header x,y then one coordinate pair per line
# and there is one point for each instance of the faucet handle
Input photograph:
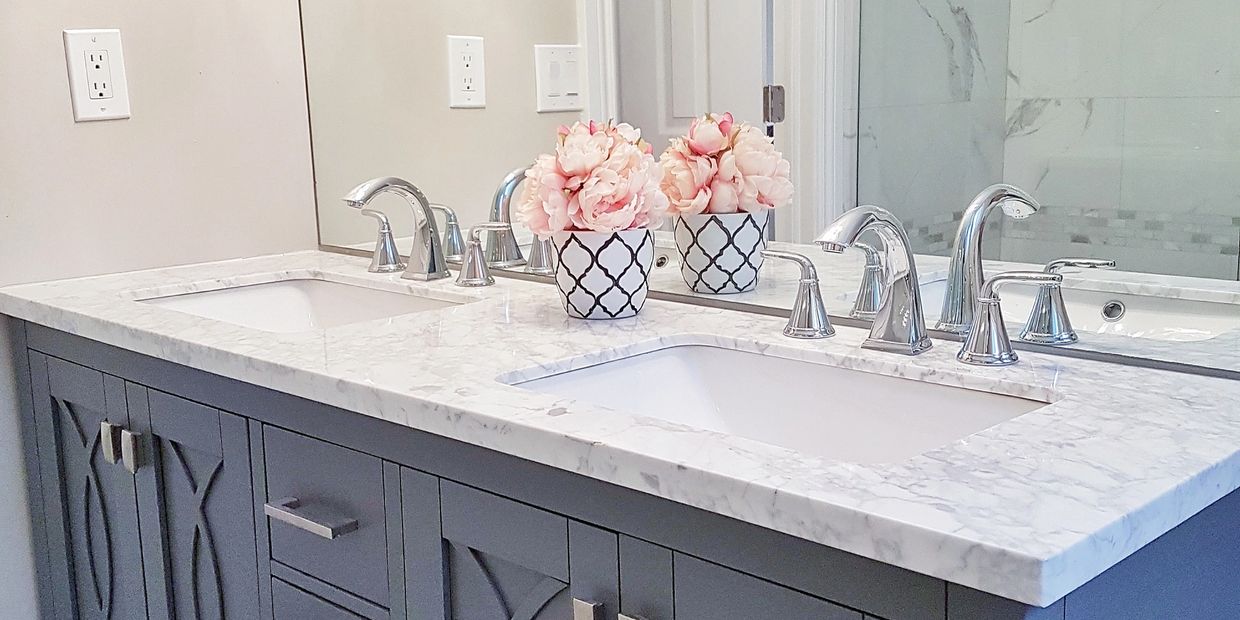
x,y
386,258
809,315
453,242
474,268
1084,263
870,293
1048,321
987,343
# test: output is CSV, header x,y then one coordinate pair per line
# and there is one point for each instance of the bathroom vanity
x,y
292,435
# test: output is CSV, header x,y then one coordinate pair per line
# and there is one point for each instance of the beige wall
x,y
377,71
214,164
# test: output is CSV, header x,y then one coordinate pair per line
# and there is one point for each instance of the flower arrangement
x,y
602,177
722,166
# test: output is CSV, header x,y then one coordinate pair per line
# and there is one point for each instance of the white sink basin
x,y
301,305
1143,316
816,409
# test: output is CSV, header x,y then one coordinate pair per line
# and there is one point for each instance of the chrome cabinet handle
x,y
585,610
110,441
290,511
131,450
628,617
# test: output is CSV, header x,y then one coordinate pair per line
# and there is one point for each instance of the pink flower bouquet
x,y
602,178
596,198
723,166
721,181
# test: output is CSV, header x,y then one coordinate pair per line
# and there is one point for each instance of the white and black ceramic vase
x,y
721,254
603,275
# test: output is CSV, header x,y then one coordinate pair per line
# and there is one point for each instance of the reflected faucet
x,y
899,323
426,260
502,249
964,274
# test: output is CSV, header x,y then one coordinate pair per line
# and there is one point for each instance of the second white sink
x,y
299,305
817,409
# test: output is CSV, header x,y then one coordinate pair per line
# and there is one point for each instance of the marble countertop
x,y
1029,509
840,276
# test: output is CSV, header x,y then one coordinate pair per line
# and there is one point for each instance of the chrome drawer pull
x,y
584,610
285,510
110,441
131,450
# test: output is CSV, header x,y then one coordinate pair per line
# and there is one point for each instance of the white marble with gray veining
x,y
1029,509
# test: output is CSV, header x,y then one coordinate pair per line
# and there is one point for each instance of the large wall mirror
x,y
1121,117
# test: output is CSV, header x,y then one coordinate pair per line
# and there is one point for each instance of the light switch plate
x,y
557,72
467,72
97,84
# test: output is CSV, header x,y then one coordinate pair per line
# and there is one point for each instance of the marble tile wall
x,y
1123,117
1102,108
931,110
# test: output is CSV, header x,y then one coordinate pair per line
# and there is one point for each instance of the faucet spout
x,y
426,260
965,276
502,249
899,322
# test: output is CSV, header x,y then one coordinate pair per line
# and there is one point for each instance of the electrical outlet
x,y
99,74
97,84
467,82
557,74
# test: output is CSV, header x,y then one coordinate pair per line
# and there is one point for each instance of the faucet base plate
x,y
903,348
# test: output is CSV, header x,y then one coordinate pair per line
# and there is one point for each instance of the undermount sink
x,y
1153,317
298,305
813,408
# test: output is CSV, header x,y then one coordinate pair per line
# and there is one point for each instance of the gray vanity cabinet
x,y
149,515
705,591
89,504
473,555
195,508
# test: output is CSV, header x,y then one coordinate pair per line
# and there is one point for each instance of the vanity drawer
x,y
292,603
705,591
325,511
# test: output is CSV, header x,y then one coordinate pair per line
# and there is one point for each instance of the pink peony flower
x,y
602,177
724,167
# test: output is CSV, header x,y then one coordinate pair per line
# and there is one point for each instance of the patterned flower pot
x,y
603,275
721,254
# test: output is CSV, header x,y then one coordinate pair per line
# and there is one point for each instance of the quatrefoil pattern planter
x,y
603,275
721,254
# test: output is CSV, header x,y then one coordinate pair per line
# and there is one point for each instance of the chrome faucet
x,y
386,258
426,260
1049,322
870,293
502,250
987,343
808,319
453,241
899,323
965,275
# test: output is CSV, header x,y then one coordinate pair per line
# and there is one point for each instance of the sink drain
x,y
1113,311
662,260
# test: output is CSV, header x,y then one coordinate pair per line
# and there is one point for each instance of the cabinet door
x,y
471,555
195,507
89,504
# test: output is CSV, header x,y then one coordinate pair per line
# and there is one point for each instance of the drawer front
x,y
291,603
331,486
706,591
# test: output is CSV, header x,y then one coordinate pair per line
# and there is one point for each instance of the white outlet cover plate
x,y
78,46
467,72
557,72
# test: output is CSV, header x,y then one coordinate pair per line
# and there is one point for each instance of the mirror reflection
x,y
1118,120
